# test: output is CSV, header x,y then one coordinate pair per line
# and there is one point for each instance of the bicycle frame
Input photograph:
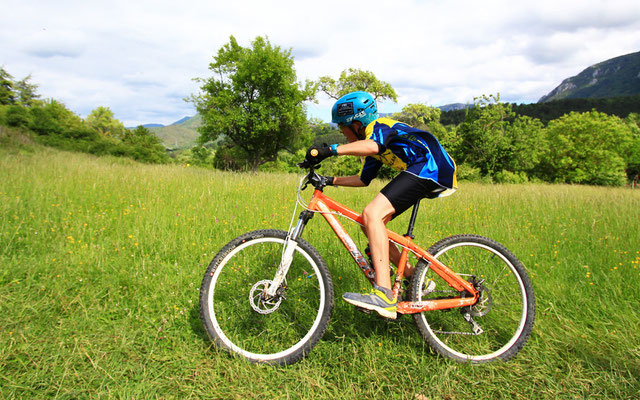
x,y
324,205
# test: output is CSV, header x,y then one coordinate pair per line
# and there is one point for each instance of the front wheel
x,y
241,318
498,325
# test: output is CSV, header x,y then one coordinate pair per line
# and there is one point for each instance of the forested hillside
x,y
550,110
616,77
51,123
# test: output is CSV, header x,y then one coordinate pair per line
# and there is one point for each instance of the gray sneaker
x,y
379,300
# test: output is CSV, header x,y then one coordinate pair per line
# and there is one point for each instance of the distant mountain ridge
x,y
619,76
153,125
455,106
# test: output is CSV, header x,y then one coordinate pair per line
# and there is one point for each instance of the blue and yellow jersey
x,y
405,148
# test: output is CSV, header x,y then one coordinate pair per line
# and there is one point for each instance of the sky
x,y
140,58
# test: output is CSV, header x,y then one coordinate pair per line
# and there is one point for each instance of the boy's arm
x,y
352,181
359,148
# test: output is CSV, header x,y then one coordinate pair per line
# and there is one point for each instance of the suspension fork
x,y
290,245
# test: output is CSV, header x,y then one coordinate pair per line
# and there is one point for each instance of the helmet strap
x,y
357,133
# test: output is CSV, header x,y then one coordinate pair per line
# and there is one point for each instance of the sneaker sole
x,y
379,310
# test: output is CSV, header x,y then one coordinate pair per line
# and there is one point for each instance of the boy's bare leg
x,y
375,216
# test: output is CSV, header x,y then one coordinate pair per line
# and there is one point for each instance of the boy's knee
x,y
373,214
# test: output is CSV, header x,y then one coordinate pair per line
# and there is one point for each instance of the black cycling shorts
x,y
406,189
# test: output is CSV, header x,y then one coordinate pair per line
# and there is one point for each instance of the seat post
x,y
412,221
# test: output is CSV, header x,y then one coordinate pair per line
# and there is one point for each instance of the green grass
x,y
102,261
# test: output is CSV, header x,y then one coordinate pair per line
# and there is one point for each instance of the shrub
x,y
17,117
589,148
510,177
466,172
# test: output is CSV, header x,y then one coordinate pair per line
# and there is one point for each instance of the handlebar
x,y
313,178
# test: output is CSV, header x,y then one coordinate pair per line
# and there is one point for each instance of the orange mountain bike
x,y
268,295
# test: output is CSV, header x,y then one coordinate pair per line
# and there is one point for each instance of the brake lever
x,y
307,165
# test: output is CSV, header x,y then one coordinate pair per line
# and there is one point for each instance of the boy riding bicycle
x,y
426,171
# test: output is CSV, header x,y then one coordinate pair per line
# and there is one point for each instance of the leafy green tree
x,y
7,96
140,136
26,92
589,148
420,116
104,122
43,123
484,134
355,79
17,116
144,145
527,147
254,99
53,117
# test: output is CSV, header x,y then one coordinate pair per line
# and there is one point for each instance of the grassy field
x,y
102,260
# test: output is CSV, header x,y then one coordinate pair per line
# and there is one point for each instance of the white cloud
x,y
139,57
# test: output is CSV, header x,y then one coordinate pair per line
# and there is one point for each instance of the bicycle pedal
x,y
363,310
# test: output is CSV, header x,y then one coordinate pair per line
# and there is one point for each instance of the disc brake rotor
x,y
259,303
483,306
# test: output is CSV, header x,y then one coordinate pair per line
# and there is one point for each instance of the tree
x,y
17,116
420,116
354,79
255,101
103,121
144,145
484,134
589,148
7,95
26,92
53,117
527,148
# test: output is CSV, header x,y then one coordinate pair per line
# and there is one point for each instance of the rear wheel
x,y
498,325
240,318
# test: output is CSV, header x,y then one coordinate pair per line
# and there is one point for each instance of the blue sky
x,y
139,58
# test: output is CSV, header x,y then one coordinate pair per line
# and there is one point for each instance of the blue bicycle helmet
x,y
355,106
